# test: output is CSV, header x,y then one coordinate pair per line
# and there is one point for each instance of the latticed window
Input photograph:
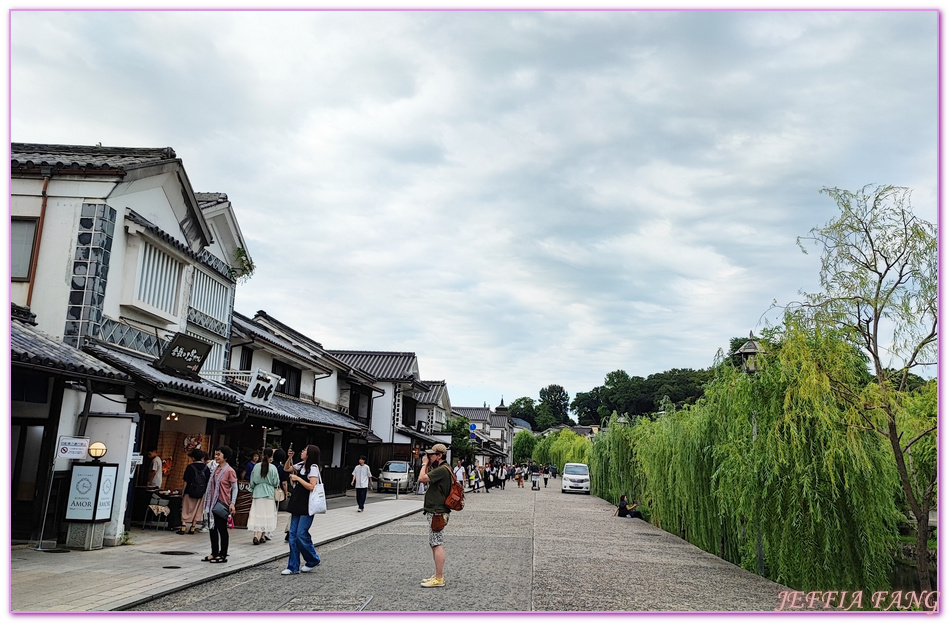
x,y
159,279
215,359
210,296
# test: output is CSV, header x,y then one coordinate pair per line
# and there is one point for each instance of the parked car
x,y
576,477
396,475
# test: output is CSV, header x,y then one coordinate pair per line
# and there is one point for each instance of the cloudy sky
x,y
520,198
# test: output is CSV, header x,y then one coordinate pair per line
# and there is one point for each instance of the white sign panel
x,y
73,447
106,492
261,388
80,504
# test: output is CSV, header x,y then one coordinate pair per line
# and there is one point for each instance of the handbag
x,y
279,495
317,502
220,511
438,522
455,499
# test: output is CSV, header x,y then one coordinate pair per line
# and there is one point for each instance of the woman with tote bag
x,y
305,477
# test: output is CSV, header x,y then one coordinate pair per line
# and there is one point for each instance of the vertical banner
x,y
91,491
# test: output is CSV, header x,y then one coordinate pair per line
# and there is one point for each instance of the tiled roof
x,y
287,329
140,368
434,395
410,432
474,414
80,158
31,347
498,421
212,262
311,413
516,421
385,366
210,200
243,325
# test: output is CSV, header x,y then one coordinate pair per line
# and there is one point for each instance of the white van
x,y
575,477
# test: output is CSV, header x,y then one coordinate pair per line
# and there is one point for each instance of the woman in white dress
x,y
263,511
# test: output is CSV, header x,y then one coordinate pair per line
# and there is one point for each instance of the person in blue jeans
x,y
304,475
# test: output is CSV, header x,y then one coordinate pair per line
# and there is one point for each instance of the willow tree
x,y
878,279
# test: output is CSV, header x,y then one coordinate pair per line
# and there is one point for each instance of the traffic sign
x,y
473,426
471,436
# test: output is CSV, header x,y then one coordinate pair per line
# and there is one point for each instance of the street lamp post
x,y
749,352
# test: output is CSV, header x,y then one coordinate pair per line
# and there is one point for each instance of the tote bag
x,y
317,502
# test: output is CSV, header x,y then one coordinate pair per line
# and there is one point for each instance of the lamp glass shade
x,y
97,450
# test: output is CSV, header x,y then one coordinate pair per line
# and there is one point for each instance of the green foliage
x,y
523,408
461,446
545,417
524,442
775,458
557,401
244,267
564,447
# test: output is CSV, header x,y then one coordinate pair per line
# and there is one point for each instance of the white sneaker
x,y
286,572
358,510
306,569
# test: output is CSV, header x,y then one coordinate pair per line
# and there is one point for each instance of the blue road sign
x,y
471,436
473,426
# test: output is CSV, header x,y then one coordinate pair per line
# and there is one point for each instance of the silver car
x,y
396,475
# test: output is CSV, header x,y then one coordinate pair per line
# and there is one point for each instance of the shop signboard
x,y
184,355
91,491
261,388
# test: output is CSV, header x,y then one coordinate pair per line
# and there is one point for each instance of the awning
x,y
417,435
183,408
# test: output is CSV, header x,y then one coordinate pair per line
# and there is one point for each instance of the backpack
x,y
455,500
197,487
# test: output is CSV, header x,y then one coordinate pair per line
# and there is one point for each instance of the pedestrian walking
x,y
502,476
546,474
476,477
519,476
460,475
436,472
196,478
362,476
221,495
305,475
535,477
264,481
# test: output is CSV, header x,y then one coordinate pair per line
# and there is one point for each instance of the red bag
x,y
455,500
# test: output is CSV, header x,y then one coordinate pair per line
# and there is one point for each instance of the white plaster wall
x,y
157,198
328,388
382,412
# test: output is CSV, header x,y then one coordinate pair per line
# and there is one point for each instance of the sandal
x,y
191,531
182,531
218,559
208,559
256,541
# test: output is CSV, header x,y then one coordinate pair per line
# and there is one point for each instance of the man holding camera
x,y
437,473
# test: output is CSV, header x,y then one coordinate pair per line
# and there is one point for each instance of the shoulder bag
x,y
317,502
455,500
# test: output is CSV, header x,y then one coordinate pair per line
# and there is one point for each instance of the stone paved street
x,y
514,550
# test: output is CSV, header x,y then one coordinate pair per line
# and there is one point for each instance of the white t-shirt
x,y
156,467
362,474
460,473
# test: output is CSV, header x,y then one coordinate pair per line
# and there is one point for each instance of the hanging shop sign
x,y
91,492
261,388
184,355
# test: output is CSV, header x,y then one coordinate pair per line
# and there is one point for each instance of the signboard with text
x,y
91,491
73,447
261,388
184,355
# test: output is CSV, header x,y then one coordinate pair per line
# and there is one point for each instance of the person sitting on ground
x,y
625,510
